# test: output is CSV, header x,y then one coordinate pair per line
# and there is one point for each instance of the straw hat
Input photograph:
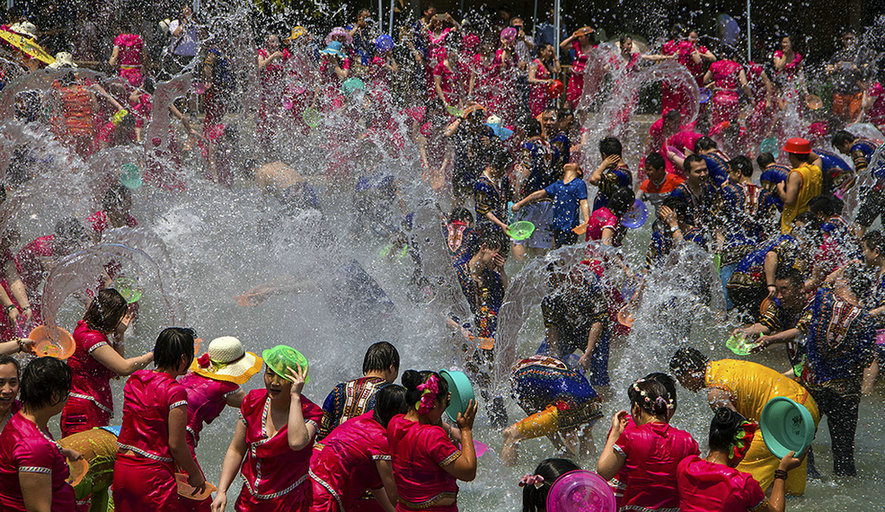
x,y
226,360
25,28
62,60
297,32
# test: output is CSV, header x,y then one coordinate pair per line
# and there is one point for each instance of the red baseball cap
x,y
798,146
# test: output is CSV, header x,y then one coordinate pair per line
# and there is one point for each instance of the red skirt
x,y
80,415
144,485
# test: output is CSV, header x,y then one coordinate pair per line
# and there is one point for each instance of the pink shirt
x,y
708,487
419,453
24,448
345,461
271,469
206,399
131,46
148,396
726,75
653,450
90,379
599,220
877,111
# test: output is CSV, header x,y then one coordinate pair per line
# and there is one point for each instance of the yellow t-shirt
x,y
812,182
750,385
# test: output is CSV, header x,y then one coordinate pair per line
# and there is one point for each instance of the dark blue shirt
x,y
566,202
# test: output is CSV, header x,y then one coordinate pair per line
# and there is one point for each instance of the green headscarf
x,y
283,357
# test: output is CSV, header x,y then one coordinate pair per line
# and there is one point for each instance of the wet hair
x,y
704,144
45,381
610,146
389,401
621,201
791,274
412,379
499,160
71,229
534,499
743,164
380,357
764,160
172,343
826,204
9,237
690,160
7,359
874,240
564,112
669,384
106,310
115,197
842,137
673,116
688,360
491,237
723,428
680,208
532,128
462,214
623,39
655,160
651,396
543,47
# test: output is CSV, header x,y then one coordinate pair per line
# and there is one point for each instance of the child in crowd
x,y
426,464
646,456
536,486
152,441
275,436
570,207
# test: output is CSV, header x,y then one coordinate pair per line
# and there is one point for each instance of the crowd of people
x,y
742,164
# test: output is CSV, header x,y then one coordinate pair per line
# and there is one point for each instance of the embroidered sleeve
x,y
440,447
34,469
179,403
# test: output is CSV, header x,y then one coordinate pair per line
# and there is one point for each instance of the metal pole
x,y
380,15
535,23
749,35
556,7
390,25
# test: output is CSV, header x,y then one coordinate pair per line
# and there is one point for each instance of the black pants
x,y
841,412
563,238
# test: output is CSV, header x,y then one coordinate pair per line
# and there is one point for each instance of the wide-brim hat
x,y
25,28
339,31
798,146
226,360
62,60
334,48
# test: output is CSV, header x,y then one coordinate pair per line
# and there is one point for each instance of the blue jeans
x,y
725,273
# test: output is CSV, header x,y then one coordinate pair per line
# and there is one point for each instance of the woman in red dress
x,y
96,360
581,42
726,78
152,444
273,441
426,464
541,73
33,467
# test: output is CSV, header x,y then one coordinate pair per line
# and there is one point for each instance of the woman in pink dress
x,y
760,119
646,456
581,42
355,458
152,440
504,98
452,81
438,38
541,73
33,467
726,77
272,60
333,71
713,484
694,57
604,224
212,384
426,464
127,54
275,435
96,360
